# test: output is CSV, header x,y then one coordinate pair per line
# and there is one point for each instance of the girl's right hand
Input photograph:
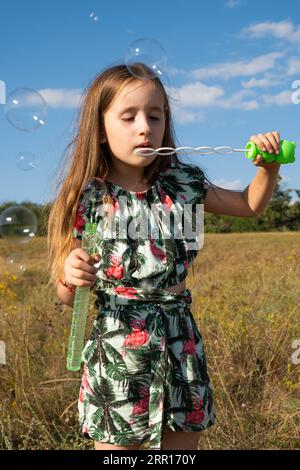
x,y
79,269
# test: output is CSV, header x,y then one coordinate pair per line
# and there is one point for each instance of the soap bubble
x,y
16,263
27,160
94,16
148,52
25,109
18,224
96,189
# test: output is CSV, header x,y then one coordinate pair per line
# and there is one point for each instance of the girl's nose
x,y
145,125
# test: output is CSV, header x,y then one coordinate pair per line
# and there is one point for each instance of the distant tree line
x,y
279,215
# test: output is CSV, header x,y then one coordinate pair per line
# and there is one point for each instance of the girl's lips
x,y
143,146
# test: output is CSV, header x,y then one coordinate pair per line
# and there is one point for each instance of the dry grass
x,y
246,300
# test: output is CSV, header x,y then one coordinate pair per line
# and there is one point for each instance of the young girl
x,y
144,368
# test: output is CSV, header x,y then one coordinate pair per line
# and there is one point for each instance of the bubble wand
x,y
96,189
286,154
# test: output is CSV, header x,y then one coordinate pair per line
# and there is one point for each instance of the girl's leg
x,y
180,440
107,446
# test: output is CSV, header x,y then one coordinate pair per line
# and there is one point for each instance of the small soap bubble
x,y
18,224
96,188
27,160
25,109
94,16
148,52
16,263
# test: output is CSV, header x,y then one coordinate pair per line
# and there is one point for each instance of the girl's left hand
x,y
268,142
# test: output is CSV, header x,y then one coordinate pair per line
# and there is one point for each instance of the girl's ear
x,y
102,138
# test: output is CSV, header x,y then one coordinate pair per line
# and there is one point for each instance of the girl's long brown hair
x,y
86,157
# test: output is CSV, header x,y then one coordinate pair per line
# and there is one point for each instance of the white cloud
x,y
184,116
199,94
280,30
239,68
233,3
175,71
281,99
265,82
235,185
293,66
237,101
62,98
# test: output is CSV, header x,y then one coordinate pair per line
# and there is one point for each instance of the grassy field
x,y
246,301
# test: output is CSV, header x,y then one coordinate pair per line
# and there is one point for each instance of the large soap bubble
x,y
149,52
25,109
18,224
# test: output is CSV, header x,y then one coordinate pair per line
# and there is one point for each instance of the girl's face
x,y
136,116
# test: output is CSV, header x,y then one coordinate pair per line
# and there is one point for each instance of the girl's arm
x,y
258,194
64,295
248,203
253,200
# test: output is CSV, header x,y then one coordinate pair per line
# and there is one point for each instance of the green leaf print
x,y
126,438
120,421
110,425
113,353
102,358
156,396
112,334
138,362
136,384
97,416
120,403
116,371
182,393
172,185
97,435
106,390
90,351
128,317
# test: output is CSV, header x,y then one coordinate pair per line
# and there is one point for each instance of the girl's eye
x,y
151,117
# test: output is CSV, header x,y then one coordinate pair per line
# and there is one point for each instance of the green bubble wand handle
x,y
94,193
286,152
80,309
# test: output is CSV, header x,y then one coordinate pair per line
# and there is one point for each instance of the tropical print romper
x,y
144,365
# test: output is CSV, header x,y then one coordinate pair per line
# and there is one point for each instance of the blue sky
x,y
231,63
